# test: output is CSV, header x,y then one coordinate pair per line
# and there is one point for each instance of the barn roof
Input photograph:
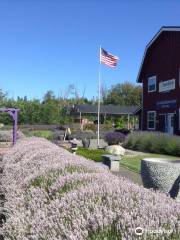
x,y
163,29
104,109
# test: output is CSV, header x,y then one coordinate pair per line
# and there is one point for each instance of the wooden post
x,y
13,112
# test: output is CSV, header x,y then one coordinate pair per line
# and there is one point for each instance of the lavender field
x,y
52,194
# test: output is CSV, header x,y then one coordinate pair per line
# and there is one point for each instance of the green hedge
x,y
153,142
48,134
94,154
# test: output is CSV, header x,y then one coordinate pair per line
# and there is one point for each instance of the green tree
x,y
124,94
48,96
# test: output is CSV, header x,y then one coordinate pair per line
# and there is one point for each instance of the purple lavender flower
x,y
53,194
113,138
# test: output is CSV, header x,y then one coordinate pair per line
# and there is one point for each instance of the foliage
x,y
154,142
48,134
53,194
107,126
88,134
124,131
125,94
7,135
113,138
93,154
110,233
51,110
89,126
121,122
54,110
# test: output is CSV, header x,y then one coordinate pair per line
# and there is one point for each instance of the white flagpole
x,y
99,94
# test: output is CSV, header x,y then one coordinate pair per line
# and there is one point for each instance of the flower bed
x,y
53,194
113,138
153,142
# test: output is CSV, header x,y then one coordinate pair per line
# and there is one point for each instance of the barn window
x,y
152,84
151,120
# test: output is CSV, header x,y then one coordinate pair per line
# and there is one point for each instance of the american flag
x,y
108,59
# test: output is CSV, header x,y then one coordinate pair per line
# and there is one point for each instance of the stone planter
x,y
112,162
86,143
162,174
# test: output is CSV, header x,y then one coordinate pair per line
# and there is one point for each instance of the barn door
x,y
162,123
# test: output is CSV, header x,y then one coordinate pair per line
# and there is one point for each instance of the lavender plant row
x,y
52,194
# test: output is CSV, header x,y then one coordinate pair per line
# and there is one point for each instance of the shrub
x,y
121,122
113,138
125,131
89,126
153,142
107,126
88,134
94,154
7,135
48,134
53,194
58,135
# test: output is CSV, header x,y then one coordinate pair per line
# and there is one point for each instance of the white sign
x,y
167,85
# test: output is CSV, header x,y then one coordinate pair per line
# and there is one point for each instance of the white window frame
x,y
152,78
154,120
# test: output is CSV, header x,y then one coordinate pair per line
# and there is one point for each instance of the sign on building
x,y
166,104
167,85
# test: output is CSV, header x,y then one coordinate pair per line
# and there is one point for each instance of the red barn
x,y
160,75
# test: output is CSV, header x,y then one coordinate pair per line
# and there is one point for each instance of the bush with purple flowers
x,y
52,194
155,142
113,138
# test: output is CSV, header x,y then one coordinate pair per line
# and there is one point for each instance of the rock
x,y
116,150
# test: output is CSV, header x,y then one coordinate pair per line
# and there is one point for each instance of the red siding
x,y
163,60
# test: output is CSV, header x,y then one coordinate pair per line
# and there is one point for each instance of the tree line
x,y
53,110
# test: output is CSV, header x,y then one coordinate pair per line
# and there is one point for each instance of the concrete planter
x,y
112,162
162,174
86,143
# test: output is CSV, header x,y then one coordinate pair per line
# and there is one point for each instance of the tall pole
x,y
99,95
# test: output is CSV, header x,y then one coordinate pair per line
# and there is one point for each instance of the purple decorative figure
x,y
13,112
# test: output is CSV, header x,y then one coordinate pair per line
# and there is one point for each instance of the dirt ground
x,y
3,150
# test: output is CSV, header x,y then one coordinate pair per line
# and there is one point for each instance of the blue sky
x,y
49,44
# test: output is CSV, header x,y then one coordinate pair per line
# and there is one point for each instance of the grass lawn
x,y
94,154
48,134
134,163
